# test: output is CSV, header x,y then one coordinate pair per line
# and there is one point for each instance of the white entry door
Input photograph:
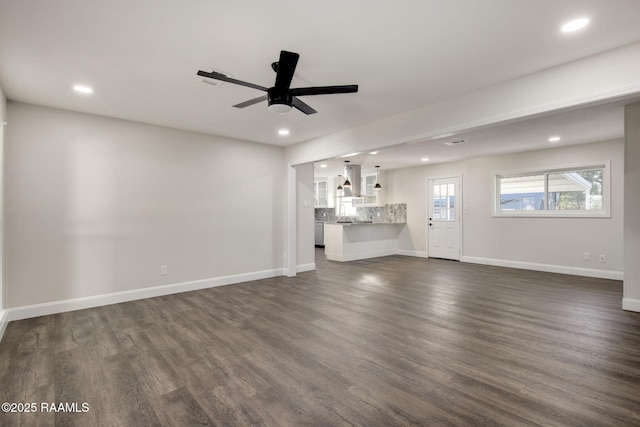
x,y
444,218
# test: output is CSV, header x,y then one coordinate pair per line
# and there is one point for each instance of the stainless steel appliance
x,y
319,234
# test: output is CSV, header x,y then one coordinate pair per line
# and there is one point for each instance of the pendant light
x,y
347,183
339,183
377,186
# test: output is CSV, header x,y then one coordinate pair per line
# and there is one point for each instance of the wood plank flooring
x,y
383,342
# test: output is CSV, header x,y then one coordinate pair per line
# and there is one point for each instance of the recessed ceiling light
x,y
373,152
323,165
425,159
350,155
574,25
82,89
554,139
283,132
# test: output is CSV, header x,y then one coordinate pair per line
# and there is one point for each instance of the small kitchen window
x,y
576,191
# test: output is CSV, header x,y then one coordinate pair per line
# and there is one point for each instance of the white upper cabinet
x,y
321,192
370,196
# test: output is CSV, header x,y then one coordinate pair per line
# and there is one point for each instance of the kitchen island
x,y
360,240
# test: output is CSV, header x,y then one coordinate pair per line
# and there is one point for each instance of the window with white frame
x,y
571,191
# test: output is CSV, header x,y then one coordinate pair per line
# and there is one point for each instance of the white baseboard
x,y
419,254
631,304
360,255
36,310
4,321
55,307
550,268
306,267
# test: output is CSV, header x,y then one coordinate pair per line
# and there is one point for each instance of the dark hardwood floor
x,y
381,342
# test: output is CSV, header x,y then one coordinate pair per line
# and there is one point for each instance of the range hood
x,y
353,173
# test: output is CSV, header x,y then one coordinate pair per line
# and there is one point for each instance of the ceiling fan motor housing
x,y
279,100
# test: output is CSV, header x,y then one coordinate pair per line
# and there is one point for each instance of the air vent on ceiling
x,y
460,141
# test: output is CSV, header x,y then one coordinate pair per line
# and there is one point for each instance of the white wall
x,y
631,288
547,242
3,117
305,232
96,205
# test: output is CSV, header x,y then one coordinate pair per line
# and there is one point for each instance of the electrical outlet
x,y
603,258
163,270
587,256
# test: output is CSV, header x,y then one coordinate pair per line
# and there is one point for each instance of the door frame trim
x,y
459,202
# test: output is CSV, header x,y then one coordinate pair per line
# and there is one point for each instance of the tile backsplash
x,y
387,214
326,215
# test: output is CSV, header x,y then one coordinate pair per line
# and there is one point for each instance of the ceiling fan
x,y
281,98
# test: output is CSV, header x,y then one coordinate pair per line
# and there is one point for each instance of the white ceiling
x,y
585,125
141,58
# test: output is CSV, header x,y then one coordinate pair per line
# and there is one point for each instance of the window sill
x,y
551,214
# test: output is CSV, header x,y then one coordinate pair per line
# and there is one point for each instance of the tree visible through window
x,y
580,190
556,190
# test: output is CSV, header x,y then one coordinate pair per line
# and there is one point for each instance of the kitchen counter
x,y
360,240
358,223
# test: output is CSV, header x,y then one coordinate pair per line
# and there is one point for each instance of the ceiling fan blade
x,y
286,68
222,77
302,106
251,102
324,90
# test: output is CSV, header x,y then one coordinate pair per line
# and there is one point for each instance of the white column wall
x,y
631,293
305,232
3,118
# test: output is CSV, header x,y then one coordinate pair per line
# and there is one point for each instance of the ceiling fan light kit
x,y
281,98
279,102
